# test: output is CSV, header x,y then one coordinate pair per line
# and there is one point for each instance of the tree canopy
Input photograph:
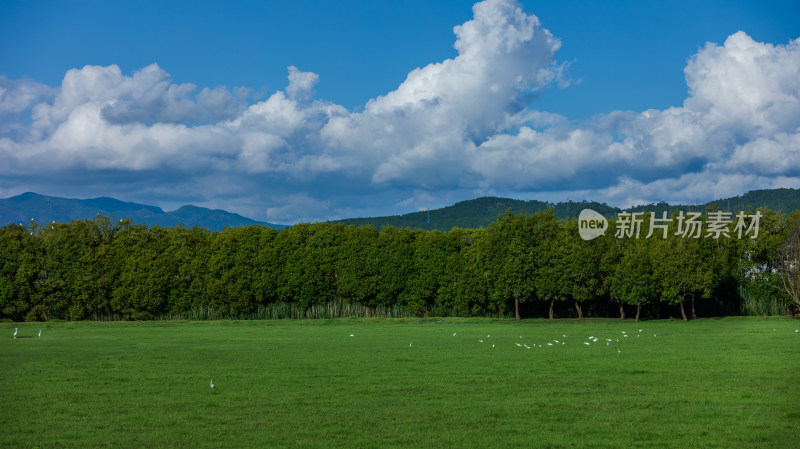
x,y
522,265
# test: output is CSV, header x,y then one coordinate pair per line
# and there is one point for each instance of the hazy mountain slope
x,y
44,209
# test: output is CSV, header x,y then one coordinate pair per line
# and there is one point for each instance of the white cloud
x,y
17,96
425,128
749,85
739,127
17,99
458,125
301,84
298,207
778,155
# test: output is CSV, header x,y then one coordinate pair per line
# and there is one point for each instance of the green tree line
x,y
522,265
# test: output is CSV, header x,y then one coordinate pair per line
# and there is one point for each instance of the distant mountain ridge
x,y
481,212
44,209
475,213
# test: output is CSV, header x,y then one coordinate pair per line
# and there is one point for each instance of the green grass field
x,y
709,383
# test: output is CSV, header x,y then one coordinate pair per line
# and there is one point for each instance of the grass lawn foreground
x,y
364,383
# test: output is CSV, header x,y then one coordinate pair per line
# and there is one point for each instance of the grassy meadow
x,y
364,383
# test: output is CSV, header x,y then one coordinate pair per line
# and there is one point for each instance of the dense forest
x,y
522,265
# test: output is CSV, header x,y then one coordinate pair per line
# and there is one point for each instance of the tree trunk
x,y
516,308
579,309
551,308
683,313
694,316
638,309
621,312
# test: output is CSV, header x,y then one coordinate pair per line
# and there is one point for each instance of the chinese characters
x,y
689,225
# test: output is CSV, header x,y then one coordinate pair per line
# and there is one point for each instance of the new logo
x,y
591,224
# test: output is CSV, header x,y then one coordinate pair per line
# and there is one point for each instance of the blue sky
x,y
204,125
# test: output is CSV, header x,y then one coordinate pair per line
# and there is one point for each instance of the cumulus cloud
x,y
463,124
17,99
740,122
301,84
750,85
442,110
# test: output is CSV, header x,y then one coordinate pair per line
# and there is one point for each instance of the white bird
x,y
591,337
608,344
654,335
493,346
212,383
487,336
640,330
15,332
454,334
626,335
586,343
409,345
796,331
480,341
351,335
527,347
518,344
594,340
556,341
564,336
618,351
549,344
40,332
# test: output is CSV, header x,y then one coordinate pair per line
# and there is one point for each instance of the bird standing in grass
x,y
212,383
15,332
40,332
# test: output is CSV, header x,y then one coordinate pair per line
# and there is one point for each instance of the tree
x,y
430,251
463,287
685,269
395,254
357,270
552,260
582,260
789,262
508,259
20,272
633,280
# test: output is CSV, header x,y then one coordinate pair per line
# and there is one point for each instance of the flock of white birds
x,y
554,342
588,342
16,331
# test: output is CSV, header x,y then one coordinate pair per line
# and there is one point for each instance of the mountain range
x,y
475,213
44,209
480,212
